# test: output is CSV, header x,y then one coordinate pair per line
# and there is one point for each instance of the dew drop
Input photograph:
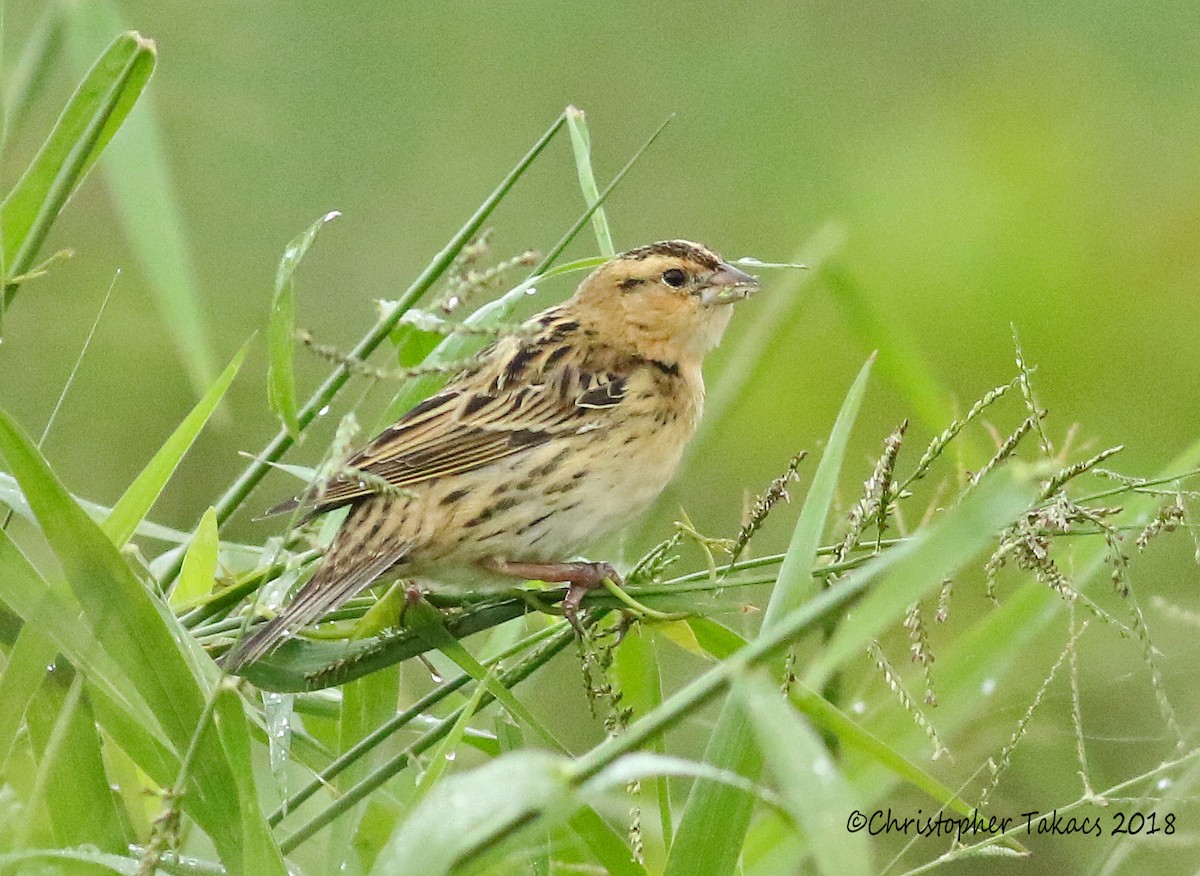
x,y
859,707
1162,784
323,411
450,755
532,290
988,687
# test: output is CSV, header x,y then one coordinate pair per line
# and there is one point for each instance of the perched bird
x,y
554,438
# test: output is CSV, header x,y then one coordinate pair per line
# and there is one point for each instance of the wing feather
x,y
479,419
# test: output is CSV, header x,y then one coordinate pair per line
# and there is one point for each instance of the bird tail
x,y
330,587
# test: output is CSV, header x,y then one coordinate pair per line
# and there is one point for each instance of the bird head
x,y
668,301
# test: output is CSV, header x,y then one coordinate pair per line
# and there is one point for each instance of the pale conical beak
x,y
727,285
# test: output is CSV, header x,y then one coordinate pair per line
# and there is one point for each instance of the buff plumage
x,y
552,440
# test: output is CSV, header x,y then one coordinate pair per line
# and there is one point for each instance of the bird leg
x,y
581,577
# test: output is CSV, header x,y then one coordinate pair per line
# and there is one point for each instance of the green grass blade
x,y
137,500
715,816
233,497
367,705
428,623
94,113
951,543
71,861
139,179
556,250
608,847
795,574
281,330
27,661
638,672
581,145
81,805
11,495
148,646
816,794
199,563
253,849
28,76
438,762
464,807
981,658
45,606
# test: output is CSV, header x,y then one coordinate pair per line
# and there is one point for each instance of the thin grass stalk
x,y
398,722
386,771
325,393
694,695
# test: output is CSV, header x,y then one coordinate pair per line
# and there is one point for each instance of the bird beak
x,y
728,285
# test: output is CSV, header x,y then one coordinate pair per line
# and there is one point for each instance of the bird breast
x,y
560,498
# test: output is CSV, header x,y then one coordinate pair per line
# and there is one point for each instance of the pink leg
x,y
581,576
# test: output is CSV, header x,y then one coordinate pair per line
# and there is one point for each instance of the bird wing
x,y
477,420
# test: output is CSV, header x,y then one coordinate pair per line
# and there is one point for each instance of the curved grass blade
x,y
981,658
814,791
237,492
47,607
135,503
71,774
581,145
29,74
157,657
438,761
720,641
11,496
466,807
428,623
96,110
281,330
199,563
715,818
812,615
28,658
138,176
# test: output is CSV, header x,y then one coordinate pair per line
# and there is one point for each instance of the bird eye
x,y
674,277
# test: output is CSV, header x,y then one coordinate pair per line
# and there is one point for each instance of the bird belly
x,y
544,506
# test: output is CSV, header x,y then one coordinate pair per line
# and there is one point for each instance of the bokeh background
x,y
1030,165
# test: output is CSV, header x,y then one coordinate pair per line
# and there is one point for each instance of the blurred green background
x,y
1035,165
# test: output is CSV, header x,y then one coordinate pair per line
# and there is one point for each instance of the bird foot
x,y
581,578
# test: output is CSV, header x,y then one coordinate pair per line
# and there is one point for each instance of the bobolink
x,y
551,440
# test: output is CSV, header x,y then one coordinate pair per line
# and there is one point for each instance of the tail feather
x,y
329,588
